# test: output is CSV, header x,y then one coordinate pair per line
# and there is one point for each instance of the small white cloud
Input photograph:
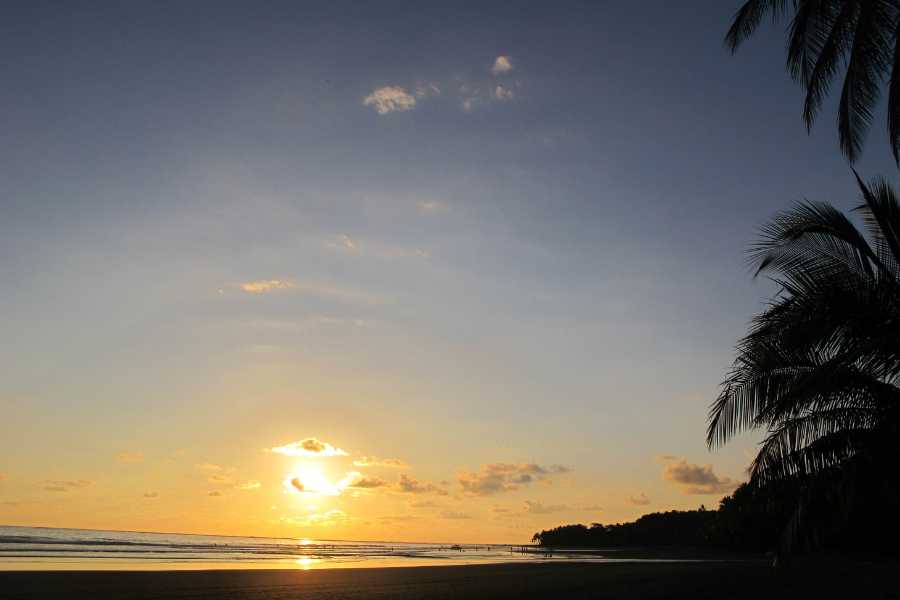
x,y
502,64
391,98
503,93
343,241
249,485
309,447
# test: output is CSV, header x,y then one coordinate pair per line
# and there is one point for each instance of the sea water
x,y
40,548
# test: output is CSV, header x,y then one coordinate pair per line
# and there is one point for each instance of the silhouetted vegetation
x,y
859,37
745,521
751,520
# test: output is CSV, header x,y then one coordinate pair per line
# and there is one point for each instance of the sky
x,y
394,270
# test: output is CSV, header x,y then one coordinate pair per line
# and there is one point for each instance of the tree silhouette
x,y
819,367
827,36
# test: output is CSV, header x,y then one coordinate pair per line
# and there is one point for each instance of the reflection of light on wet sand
x,y
306,562
305,542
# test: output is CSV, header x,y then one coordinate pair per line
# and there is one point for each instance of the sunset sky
x,y
382,270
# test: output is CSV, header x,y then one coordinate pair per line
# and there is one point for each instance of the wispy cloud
x,y
219,479
374,461
326,519
452,514
505,477
66,485
309,447
249,485
215,493
432,206
502,64
697,479
130,457
263,286
410,485
390,98
209,467
325,291
151,494
536,508
639,500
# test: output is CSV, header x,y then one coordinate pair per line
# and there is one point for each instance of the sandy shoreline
x,y
570,580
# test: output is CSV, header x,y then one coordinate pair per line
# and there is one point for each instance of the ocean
x,y
40,548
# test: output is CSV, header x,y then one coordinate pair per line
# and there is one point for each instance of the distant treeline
x,y
749,520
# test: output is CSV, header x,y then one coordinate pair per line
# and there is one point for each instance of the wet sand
x,y
571,580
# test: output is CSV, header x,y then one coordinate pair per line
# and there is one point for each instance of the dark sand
x,y
571,580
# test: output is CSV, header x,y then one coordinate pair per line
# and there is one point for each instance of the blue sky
x,y
550,272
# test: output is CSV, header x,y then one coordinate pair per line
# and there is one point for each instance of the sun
x,y
310,480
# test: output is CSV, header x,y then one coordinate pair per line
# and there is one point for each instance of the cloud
x,y
536,508
130,457
151,494
309,447
499,509
423,504
66,486
639,500
425,89
432,206
503,93
214,493
411,485
263,286
697,479
390,98
450,514
374,461
343,241
366,483
219,479
249,485
593,508
503,477
310,481
326,519
311,288
209,467
502,64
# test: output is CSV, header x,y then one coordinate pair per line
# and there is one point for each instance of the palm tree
x,y
859,37
819,367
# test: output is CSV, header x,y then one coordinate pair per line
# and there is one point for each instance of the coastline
x,y
731,579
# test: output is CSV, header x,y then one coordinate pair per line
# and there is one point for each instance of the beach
x,y
569,580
